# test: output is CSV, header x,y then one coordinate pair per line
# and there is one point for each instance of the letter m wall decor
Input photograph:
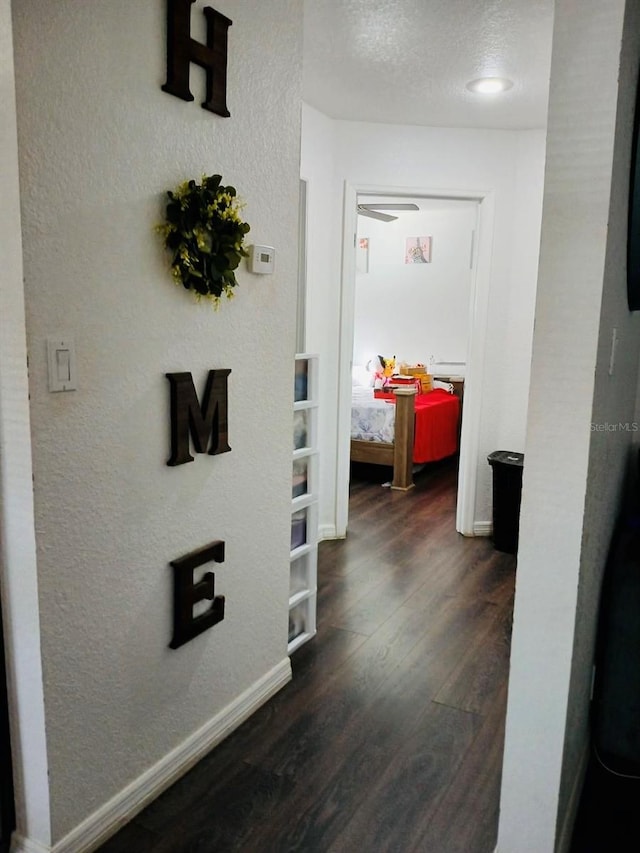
x,y
182,50
206,424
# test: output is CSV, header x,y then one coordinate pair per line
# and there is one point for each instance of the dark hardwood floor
x,y
389,737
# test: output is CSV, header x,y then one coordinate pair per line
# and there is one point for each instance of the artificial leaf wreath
x,y
204,232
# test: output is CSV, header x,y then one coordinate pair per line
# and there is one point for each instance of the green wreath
x,y
204,232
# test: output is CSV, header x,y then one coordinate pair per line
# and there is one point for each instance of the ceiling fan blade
x,y
373,214
399,206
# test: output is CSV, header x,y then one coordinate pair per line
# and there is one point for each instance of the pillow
x,y
360,377
446,386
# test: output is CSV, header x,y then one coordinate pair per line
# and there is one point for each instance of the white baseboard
x,y
104,822
327,531
20,844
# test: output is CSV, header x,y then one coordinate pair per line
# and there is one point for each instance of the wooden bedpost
x,y
403,439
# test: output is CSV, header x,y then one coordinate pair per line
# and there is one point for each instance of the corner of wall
x,y
18,569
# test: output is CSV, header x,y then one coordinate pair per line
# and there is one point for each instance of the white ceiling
x,y
408,61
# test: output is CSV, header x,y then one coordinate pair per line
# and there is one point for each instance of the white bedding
x,y
371,419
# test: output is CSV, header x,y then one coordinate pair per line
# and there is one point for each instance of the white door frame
x,y
478,307
18,551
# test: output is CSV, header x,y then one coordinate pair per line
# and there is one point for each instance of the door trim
x,y
478,309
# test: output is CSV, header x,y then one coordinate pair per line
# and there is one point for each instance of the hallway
x,y
390,736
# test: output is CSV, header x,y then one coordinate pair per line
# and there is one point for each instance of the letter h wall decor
x,y
182,50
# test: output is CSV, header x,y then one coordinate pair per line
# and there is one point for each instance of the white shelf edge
x,y
304,453
299,640
303,559
307,548
301,550
298,597
303,501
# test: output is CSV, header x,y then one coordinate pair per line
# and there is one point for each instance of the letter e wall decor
x,y
186,593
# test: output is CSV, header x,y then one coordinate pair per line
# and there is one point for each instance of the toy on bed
x,y
382,369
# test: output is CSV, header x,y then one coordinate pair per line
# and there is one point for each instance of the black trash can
x,y
507,489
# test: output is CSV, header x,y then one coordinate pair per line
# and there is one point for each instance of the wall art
x,y
182,50
186,593
204,232
417,250
205,423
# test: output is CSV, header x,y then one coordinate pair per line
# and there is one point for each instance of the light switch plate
x,y
61,360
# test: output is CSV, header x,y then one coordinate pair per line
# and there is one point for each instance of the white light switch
x,y
61,358
63,365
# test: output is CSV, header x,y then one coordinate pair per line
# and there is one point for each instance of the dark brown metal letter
x,y
207,424
182,50
186,593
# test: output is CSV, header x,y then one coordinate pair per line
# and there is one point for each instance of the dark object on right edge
x,y
616,694
507,489
7,809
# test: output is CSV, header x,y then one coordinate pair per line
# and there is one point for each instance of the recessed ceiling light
x,y
490,85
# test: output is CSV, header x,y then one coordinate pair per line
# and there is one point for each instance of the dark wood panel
x,y
466,818
476,681
371,451
412,784
133,837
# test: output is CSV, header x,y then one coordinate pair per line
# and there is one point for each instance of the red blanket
x,y
436,424
436,432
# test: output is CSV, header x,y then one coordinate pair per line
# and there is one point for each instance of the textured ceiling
x,y
408,61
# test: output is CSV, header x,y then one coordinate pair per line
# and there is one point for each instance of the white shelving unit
x,y
304,504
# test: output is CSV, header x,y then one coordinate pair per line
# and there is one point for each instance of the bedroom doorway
x,y
474,318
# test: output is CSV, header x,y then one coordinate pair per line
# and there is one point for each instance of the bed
x,y
403,429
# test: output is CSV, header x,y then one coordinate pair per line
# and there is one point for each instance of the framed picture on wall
x,y
417,250
362,255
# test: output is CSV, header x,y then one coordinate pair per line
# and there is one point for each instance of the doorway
x,y
480,255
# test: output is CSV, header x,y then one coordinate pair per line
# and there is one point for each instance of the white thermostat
x,y
261,259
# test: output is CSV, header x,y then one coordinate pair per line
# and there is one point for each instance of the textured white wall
x,y
18,580
610,454
509,163
99,145
519,307
572,475
415,311
324,230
